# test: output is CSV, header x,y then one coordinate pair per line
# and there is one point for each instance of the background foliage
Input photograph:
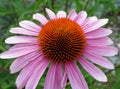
x,y
13,11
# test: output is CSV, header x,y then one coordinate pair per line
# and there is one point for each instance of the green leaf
x,y
79,4
117,82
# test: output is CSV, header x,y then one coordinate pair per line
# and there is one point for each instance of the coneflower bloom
x,y
60,41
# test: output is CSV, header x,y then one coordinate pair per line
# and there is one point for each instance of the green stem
x,y
85,7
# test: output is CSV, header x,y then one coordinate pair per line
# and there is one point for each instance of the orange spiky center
x,y
62,40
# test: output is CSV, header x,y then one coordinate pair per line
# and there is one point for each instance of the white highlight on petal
x,y
18,30
93,70
30,25
41,18
21,39
50,13
61,14
80,18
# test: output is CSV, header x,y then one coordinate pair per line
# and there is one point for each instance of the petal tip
x,y
34,15
94,17
110,31
112,67
12,72
115,51
23,22
11,30
61,14
2,56
106,20
102,79
47,9
83,11
7,41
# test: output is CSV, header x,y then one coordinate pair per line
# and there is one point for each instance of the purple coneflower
x,y
60,41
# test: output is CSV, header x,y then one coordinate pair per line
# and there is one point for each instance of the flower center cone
x,y
62,40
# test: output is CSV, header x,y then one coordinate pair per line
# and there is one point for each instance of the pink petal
x,y
101,32
23,31
50,13
30,25
75,76
100,41
17,52
41,18
80,18
64,80
88,21
18,46
59,76
61,14
54,76
37,74
95,25
21,39
26,73
102,50
72,15
102,61
22,61
93,70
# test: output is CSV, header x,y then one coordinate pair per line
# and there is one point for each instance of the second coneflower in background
x,y
61,41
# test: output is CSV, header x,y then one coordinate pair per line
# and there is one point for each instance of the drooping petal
x,y
61,14
102,50
75,76
104,41
54,76
22,61
88,21
26,73
93,70
41,18
102,61
95,25
101,32
72,15
23,31
37,74
80,18
30,25
17,52
21,39
50,13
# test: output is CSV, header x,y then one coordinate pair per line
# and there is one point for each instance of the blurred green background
x,y
13,11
